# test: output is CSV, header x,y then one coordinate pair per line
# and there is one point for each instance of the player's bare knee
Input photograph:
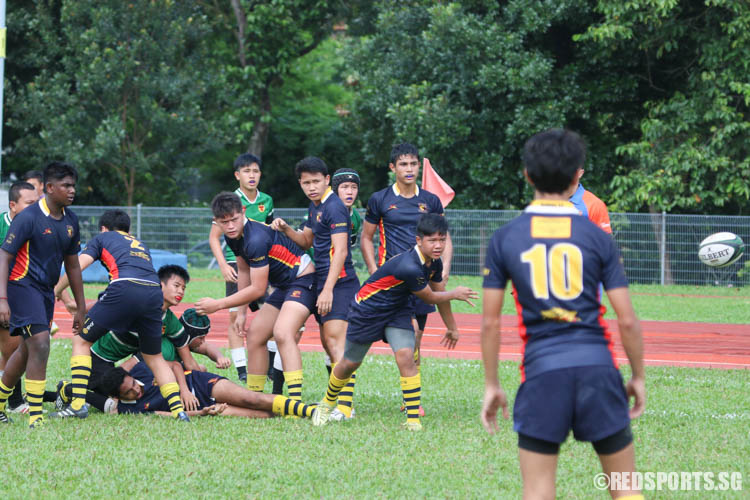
x,y
38,347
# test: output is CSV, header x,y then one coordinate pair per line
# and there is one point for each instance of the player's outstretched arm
x,y
214,242
187,358
215,355
494,396
447,258
302,238
252,284
459,293
367,246
632,341
189,401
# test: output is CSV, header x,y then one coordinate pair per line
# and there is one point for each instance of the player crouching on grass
x,y
138,393
556,259
382,310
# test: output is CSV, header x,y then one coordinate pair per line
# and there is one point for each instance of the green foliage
x,y
692,153
124,100
470,82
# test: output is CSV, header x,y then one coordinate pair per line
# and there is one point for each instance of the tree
x,y
124,100
257,43
470,82
692,154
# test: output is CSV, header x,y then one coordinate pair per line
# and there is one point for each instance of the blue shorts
x,y
366,330
128,306
201,384
422,308
31,309
301,290
343,294
590,400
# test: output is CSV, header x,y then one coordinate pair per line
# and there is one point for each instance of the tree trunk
x,y
261,126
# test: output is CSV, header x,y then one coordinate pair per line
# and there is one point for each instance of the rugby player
x,y
328,231
259,207
556,258
266,256
137,393
393,212
20,195
39,240
132,302
378,313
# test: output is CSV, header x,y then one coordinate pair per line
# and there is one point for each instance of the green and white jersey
x,y
4,224
116,346
260,209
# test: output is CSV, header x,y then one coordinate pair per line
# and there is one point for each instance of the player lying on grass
x,y
382,310
556,258
137,393
265,256
132,302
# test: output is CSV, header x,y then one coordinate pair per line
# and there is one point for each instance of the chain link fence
x,y
657,248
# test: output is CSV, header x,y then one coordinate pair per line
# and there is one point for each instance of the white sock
x,y
239,357
328,360
277,362
271,346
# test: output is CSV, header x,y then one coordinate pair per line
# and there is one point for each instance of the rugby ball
x,y
721,249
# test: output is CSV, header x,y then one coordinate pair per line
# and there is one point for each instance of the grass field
x,y
689,425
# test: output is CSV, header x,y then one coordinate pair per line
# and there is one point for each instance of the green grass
x,y
651,302
685,428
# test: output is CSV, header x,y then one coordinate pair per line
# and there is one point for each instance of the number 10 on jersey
x,y
557,269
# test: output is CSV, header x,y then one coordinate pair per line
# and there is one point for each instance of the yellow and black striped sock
x,y
171,393
256,383
284,406
294,384
346,397
34,395
412,389
5,393
335,385
632,497
80,371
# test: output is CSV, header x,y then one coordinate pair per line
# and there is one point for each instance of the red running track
x,y
704,345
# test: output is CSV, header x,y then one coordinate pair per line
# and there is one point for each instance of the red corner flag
x,y
432,182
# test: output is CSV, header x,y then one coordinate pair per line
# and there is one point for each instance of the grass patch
x,y
687,427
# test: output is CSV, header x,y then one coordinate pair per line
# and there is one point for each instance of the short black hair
x,y
110,381
33,174
58,170
14,193
552,159
430,224
246,159
169,270
225,204
403,149
115,220
311,165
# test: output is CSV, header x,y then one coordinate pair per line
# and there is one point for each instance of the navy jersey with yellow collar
x,y
390,287
326,219
261,246
40,243
397,217
123,256
556,259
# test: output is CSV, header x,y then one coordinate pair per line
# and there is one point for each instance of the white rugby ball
x,y
721,249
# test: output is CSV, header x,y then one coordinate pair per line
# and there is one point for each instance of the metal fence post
x,y
138,220
663,256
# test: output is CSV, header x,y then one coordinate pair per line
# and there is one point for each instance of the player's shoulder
x,y
30,213
71,215
264,198
591,200
382,194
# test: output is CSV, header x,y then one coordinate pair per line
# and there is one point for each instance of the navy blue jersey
x,y
556,259
200,384
39,243
123,256
390,287
261,246
397,217
328,218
